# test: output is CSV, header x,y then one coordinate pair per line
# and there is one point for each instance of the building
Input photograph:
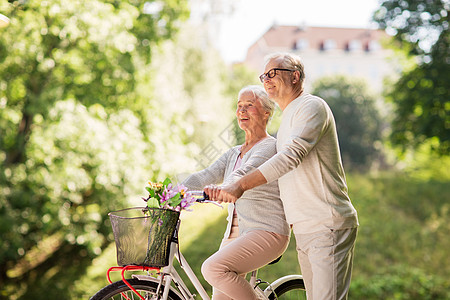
x,y
326,51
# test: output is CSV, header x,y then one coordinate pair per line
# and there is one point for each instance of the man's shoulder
x,y
310,98
309,101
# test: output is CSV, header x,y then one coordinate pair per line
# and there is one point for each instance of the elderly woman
x,y
257,231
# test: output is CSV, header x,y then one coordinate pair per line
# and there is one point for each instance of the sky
x,y
252,18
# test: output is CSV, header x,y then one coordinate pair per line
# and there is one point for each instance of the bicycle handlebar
x,y
201,197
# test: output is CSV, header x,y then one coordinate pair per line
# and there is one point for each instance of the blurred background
x,y
99,97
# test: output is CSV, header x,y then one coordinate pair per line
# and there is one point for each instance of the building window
x,y
301,44
328,44
353,45
373,46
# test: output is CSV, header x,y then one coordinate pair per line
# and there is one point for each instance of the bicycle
x,y
163,281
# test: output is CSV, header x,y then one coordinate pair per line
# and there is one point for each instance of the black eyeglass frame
x,y
264,75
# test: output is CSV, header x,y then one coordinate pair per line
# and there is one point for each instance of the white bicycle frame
x,y
169,274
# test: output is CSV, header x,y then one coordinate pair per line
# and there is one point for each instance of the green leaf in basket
x,y
153,194
175,200
166,182
153,203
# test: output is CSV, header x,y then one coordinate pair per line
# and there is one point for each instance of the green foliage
x,y
422,108
56,203
402,283
402,222
424,163
415,24
421,96
240,76
357,119
75,123
190,83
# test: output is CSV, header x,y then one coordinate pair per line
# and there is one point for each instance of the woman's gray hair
x,y
259,93
288,61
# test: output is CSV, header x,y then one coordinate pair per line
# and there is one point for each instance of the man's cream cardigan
x,y
309,169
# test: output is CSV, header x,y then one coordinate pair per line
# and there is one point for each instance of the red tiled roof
x,y
287,36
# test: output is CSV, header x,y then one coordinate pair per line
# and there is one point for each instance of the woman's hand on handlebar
x,y
225,193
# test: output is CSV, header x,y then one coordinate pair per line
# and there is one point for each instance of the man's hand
x,y
227,193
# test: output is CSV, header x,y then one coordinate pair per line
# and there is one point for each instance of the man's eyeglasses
x,y
272,73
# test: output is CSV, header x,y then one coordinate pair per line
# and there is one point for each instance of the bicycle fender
x,y
279,282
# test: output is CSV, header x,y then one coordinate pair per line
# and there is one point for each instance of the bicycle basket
x,y
143,235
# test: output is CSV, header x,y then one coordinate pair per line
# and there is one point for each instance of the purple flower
x,y
181,189
167,194
187,201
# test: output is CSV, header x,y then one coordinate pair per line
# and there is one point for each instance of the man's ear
x,y
296,76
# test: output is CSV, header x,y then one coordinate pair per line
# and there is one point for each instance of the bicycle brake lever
x,y
212,202
203,198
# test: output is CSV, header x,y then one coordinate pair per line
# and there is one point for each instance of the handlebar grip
x,y
200,195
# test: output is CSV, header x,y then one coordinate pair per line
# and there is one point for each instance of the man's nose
x,y
266,78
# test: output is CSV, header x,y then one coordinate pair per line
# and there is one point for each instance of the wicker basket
x,y
143,236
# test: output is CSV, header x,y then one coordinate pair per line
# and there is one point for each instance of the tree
x,y
421,96
357,119
90,54
189,83
75,131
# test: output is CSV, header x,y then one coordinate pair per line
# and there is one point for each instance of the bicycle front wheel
x,y
293,289
119,290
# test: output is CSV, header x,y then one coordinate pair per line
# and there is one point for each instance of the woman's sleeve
x,y
214,174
